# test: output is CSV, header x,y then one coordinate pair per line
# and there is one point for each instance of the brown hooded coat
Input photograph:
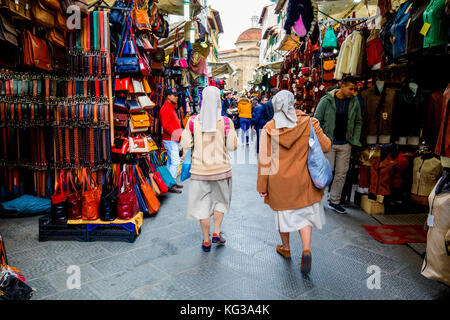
x,y
287,181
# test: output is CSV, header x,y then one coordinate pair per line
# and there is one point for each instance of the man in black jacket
x,y
226,104
268,107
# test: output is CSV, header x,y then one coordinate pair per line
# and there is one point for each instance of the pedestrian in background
x,y
171,134
245,118
283,177
226,104
212,138
268,107
258,119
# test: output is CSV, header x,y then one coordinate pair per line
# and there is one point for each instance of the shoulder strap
x,y
191,123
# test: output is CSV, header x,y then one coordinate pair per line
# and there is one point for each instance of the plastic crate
x,y
49,230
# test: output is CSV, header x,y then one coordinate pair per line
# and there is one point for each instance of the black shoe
x,y
179,186
174,190
337,208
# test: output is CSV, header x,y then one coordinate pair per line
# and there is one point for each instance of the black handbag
x,y
13,288
116,16
120,104
108,202
134,106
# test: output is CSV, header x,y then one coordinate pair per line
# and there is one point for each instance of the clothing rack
x,y
346,20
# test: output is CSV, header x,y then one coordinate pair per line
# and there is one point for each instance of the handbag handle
x,y
123,178
139,173
60,183
86,179
132,37
70,179
121,42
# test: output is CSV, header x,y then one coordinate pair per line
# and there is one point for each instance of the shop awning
x,y
167,43
289,43
176,7
275,66
221,68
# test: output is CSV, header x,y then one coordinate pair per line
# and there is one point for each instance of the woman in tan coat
x,y
283,176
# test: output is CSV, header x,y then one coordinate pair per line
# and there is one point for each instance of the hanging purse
x,y
58,201
126,64
163,171
139,122
157,177
147,88
137,189
127,202
73,200
138,86
147,193
329,40
108,202
120,104
145,102
134,106
138,144
140,19
43,15
90,198
56,37
120,120
121,146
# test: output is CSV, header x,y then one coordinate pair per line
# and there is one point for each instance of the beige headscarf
x,y
211,110
284,111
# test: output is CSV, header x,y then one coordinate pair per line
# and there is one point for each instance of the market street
x,y
167,262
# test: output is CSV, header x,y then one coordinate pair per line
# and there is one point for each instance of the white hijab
x,y
284,111
211,110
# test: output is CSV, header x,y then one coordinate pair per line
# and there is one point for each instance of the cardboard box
x,y
371,206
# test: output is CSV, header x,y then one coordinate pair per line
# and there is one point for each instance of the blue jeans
x,y
173,156
245,125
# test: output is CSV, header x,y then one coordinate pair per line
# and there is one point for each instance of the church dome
x,y
250,34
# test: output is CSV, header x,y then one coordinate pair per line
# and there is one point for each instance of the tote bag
x,y
318,166
329,40
163,171
186,166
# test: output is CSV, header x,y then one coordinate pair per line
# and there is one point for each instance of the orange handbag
x,y
43,15
53,4
90,198
140,19
61,21
147,193
57,38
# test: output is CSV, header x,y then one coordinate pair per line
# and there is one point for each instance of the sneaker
x,y
218,238
306,262
337,208
206,246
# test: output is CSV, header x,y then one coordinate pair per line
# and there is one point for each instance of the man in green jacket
x,y
339,115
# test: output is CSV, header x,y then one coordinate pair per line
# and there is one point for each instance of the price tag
x,y
425,28
430,220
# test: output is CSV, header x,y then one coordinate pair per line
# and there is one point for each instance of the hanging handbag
x,y
108,202
61,21
127,202
121,146
90,197
147,193
177,60
8,31
58,201
139,122
154,185
145,102
147,88
157,177
318,166
126,64
141,20
43,15
152,146
81,4
73,200
120,120
137,189
56,37
20,9
116,16
138,144
134,107
35,51
329,40
120,104
138,86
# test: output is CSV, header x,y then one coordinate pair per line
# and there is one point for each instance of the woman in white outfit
x,y
211,137
283,176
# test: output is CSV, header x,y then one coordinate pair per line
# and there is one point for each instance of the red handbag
x,y
73,206
127,202
121,146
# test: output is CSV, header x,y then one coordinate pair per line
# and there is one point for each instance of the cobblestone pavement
x,y
166,261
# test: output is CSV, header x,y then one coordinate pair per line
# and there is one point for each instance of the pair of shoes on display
x,y
217,238
337,208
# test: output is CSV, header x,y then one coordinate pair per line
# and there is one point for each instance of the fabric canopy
x,y
176,7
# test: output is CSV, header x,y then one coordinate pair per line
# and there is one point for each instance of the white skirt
x,y
294,220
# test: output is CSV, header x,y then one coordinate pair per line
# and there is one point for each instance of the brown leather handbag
x,y
52,4
140,19
73,202
35,51
56,37
61,21
8,32
90,197
82,4
149,196
59,56
43,15
19,8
